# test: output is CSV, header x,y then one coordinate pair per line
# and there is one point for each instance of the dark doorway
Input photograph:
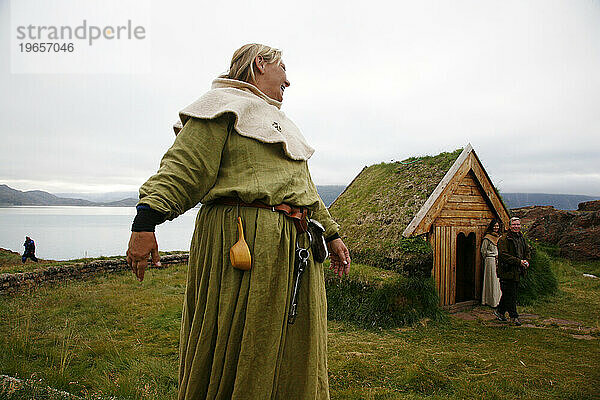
x,y
465,267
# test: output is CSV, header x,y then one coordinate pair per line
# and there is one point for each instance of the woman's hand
x,y
141,244
339,256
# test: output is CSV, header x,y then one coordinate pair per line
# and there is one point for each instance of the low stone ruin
x,y
10,283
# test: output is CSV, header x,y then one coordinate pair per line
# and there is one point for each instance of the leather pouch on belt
x,y
319,248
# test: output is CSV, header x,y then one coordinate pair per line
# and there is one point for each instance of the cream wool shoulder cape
x,y
257,116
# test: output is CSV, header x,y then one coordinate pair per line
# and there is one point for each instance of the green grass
x,y
588,267
577,297
460,360
115,336
110,334
378,298
540,280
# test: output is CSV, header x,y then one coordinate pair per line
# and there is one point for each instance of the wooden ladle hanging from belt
x,y
240,253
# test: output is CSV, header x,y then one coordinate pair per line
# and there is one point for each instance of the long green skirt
x,y
235,340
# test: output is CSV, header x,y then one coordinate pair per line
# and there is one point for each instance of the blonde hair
x,y
242,63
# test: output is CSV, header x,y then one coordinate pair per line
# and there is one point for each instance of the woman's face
x,y
272,79
496,227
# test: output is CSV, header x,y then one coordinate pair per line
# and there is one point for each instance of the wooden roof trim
x,y
489,189
422,213
467,161
437,206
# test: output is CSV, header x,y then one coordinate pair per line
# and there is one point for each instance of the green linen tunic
x,y
235,340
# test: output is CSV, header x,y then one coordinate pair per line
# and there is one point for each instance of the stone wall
x,y
12,387
10,283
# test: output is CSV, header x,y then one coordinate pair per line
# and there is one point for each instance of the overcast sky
x,y
372,81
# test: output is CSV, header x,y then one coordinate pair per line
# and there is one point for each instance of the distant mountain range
x,y
100,197
13,197
327,192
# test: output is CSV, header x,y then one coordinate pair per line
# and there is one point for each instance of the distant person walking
x,y
513,256
29,250
489,253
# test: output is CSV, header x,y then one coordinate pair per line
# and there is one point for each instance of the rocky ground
x,y
576,233
575,329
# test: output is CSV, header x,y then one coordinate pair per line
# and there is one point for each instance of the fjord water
x,y
68,232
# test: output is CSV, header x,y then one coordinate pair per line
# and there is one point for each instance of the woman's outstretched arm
x,y
187,172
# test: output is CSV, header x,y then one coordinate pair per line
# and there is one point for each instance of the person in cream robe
x,y
489,254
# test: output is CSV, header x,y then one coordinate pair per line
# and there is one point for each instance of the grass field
x,y
114,336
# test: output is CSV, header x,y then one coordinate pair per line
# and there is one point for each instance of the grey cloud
x,y
371,82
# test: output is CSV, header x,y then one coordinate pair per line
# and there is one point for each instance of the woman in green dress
x,y
234,143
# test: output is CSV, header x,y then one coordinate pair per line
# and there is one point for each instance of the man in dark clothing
x,y
29,250
513,256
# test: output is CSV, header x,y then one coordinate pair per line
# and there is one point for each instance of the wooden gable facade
x,y
454,218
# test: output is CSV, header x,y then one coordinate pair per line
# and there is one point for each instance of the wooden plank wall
x,y
465,211
465,205
442,271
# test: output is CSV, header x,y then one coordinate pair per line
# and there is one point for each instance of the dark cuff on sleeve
x,y
332,237
146,219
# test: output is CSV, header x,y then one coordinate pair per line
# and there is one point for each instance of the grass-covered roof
x,y
381,201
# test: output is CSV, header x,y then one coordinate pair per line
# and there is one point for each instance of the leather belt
x,y
297,214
